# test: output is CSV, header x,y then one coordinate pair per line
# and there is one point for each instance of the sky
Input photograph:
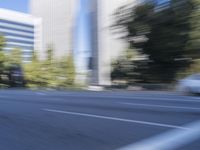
x,y
18,5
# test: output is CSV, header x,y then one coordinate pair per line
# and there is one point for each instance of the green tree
x,y
49,54
15,57
193,44
50,73
62,73
34,74
2,55
161,32
2,43
2,59
68,66
123,67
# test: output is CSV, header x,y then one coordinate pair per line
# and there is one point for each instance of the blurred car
x,y
16,76
190,84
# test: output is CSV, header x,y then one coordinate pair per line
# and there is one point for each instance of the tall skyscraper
x,y
106,45
58,23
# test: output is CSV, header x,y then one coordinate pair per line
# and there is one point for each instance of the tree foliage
x,y
50,73
14,57
123,67
33,73
167,34
2,55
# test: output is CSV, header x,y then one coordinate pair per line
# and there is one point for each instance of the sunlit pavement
x,y
52,120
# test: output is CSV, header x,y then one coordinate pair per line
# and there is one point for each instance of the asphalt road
x,y
52,120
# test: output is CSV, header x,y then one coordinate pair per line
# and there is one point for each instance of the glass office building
x,y
21,31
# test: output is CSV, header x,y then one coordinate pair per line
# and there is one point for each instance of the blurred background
x,y
107,43
99,74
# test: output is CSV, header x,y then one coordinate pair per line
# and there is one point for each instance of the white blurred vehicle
x,y
190,84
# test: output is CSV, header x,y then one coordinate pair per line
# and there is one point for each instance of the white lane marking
x,y
161,106
116,119
170,140
40,93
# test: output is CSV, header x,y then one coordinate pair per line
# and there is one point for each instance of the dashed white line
x,y
170,140
161,106
116,119
40,93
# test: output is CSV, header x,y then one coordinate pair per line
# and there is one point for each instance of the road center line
x,y
161,106
171,140
116,119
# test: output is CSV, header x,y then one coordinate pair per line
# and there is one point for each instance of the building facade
x,y
107,46
21,31
58,22
94,46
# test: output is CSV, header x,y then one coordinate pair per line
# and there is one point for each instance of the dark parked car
x,y
16,76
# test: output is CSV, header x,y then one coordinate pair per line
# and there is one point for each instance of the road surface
x,y
58,120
